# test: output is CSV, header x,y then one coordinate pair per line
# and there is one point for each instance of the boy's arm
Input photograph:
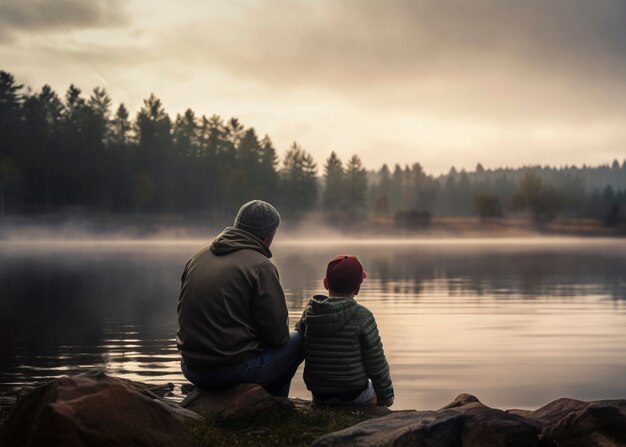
x,y
375,362
301,324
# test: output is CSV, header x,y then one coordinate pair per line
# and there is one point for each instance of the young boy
x,y
344,361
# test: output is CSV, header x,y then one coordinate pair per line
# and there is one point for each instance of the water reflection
x,y
479,270
515,324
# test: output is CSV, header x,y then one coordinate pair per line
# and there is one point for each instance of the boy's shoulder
x,y
328,304
362,311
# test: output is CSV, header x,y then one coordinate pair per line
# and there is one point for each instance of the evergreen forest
x,y
76,152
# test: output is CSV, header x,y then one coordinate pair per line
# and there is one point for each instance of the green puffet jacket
x,y
343,348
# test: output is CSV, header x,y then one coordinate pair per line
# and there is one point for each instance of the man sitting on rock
x,y
345,363
232,314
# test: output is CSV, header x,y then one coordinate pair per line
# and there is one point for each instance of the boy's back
x,y
343,350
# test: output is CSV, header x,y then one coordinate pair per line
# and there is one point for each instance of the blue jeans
x,y
273,369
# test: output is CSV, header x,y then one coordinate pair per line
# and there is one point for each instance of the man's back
x,y
232,314
231,303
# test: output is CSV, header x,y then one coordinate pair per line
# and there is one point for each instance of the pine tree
x,y
234,132
397,189
74,108
335,189
356,180
10,126
382,192
10,104
464,195
249,154
153,125
268,176
99,118
185,134
246,176
424,189
155,150
47,113
121,127
218,159
298,180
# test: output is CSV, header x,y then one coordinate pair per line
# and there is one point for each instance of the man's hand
x,y
389,403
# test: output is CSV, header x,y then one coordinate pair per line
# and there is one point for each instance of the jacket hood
x,y
326,316
235,239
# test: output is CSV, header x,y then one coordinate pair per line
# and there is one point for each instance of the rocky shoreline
x,y
93,409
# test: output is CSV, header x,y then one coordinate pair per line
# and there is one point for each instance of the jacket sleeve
x,y
301,324
269,308
374,360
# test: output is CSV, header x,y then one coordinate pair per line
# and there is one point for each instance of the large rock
x,y
93,410
485,426
465,422
402,428
462,400
573,423
239,400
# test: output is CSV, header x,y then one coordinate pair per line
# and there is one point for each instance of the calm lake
x,y
516,322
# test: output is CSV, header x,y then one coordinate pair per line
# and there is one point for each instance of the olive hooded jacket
x,y
231,303
343,348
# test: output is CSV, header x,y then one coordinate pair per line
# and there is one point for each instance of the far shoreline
x,y
307,230
314,227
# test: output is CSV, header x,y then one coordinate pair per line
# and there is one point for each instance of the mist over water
x,y
518,322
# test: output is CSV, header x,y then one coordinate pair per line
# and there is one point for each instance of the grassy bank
x,y
277,428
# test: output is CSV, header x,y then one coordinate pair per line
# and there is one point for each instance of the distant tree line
x,y
542,192
76,153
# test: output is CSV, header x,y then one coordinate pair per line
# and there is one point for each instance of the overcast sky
x,y
454,82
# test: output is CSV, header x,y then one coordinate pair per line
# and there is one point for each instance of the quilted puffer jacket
x,y
343,348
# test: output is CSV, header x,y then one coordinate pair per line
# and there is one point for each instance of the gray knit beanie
x,y
257,217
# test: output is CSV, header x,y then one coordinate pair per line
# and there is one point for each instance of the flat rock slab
x,y
93,410
574,423
465,422
402,428
234,402
485,426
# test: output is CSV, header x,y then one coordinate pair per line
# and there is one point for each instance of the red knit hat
x,y
344,274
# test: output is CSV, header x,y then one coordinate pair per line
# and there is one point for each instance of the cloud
x,y
19,16
442,82
494,59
